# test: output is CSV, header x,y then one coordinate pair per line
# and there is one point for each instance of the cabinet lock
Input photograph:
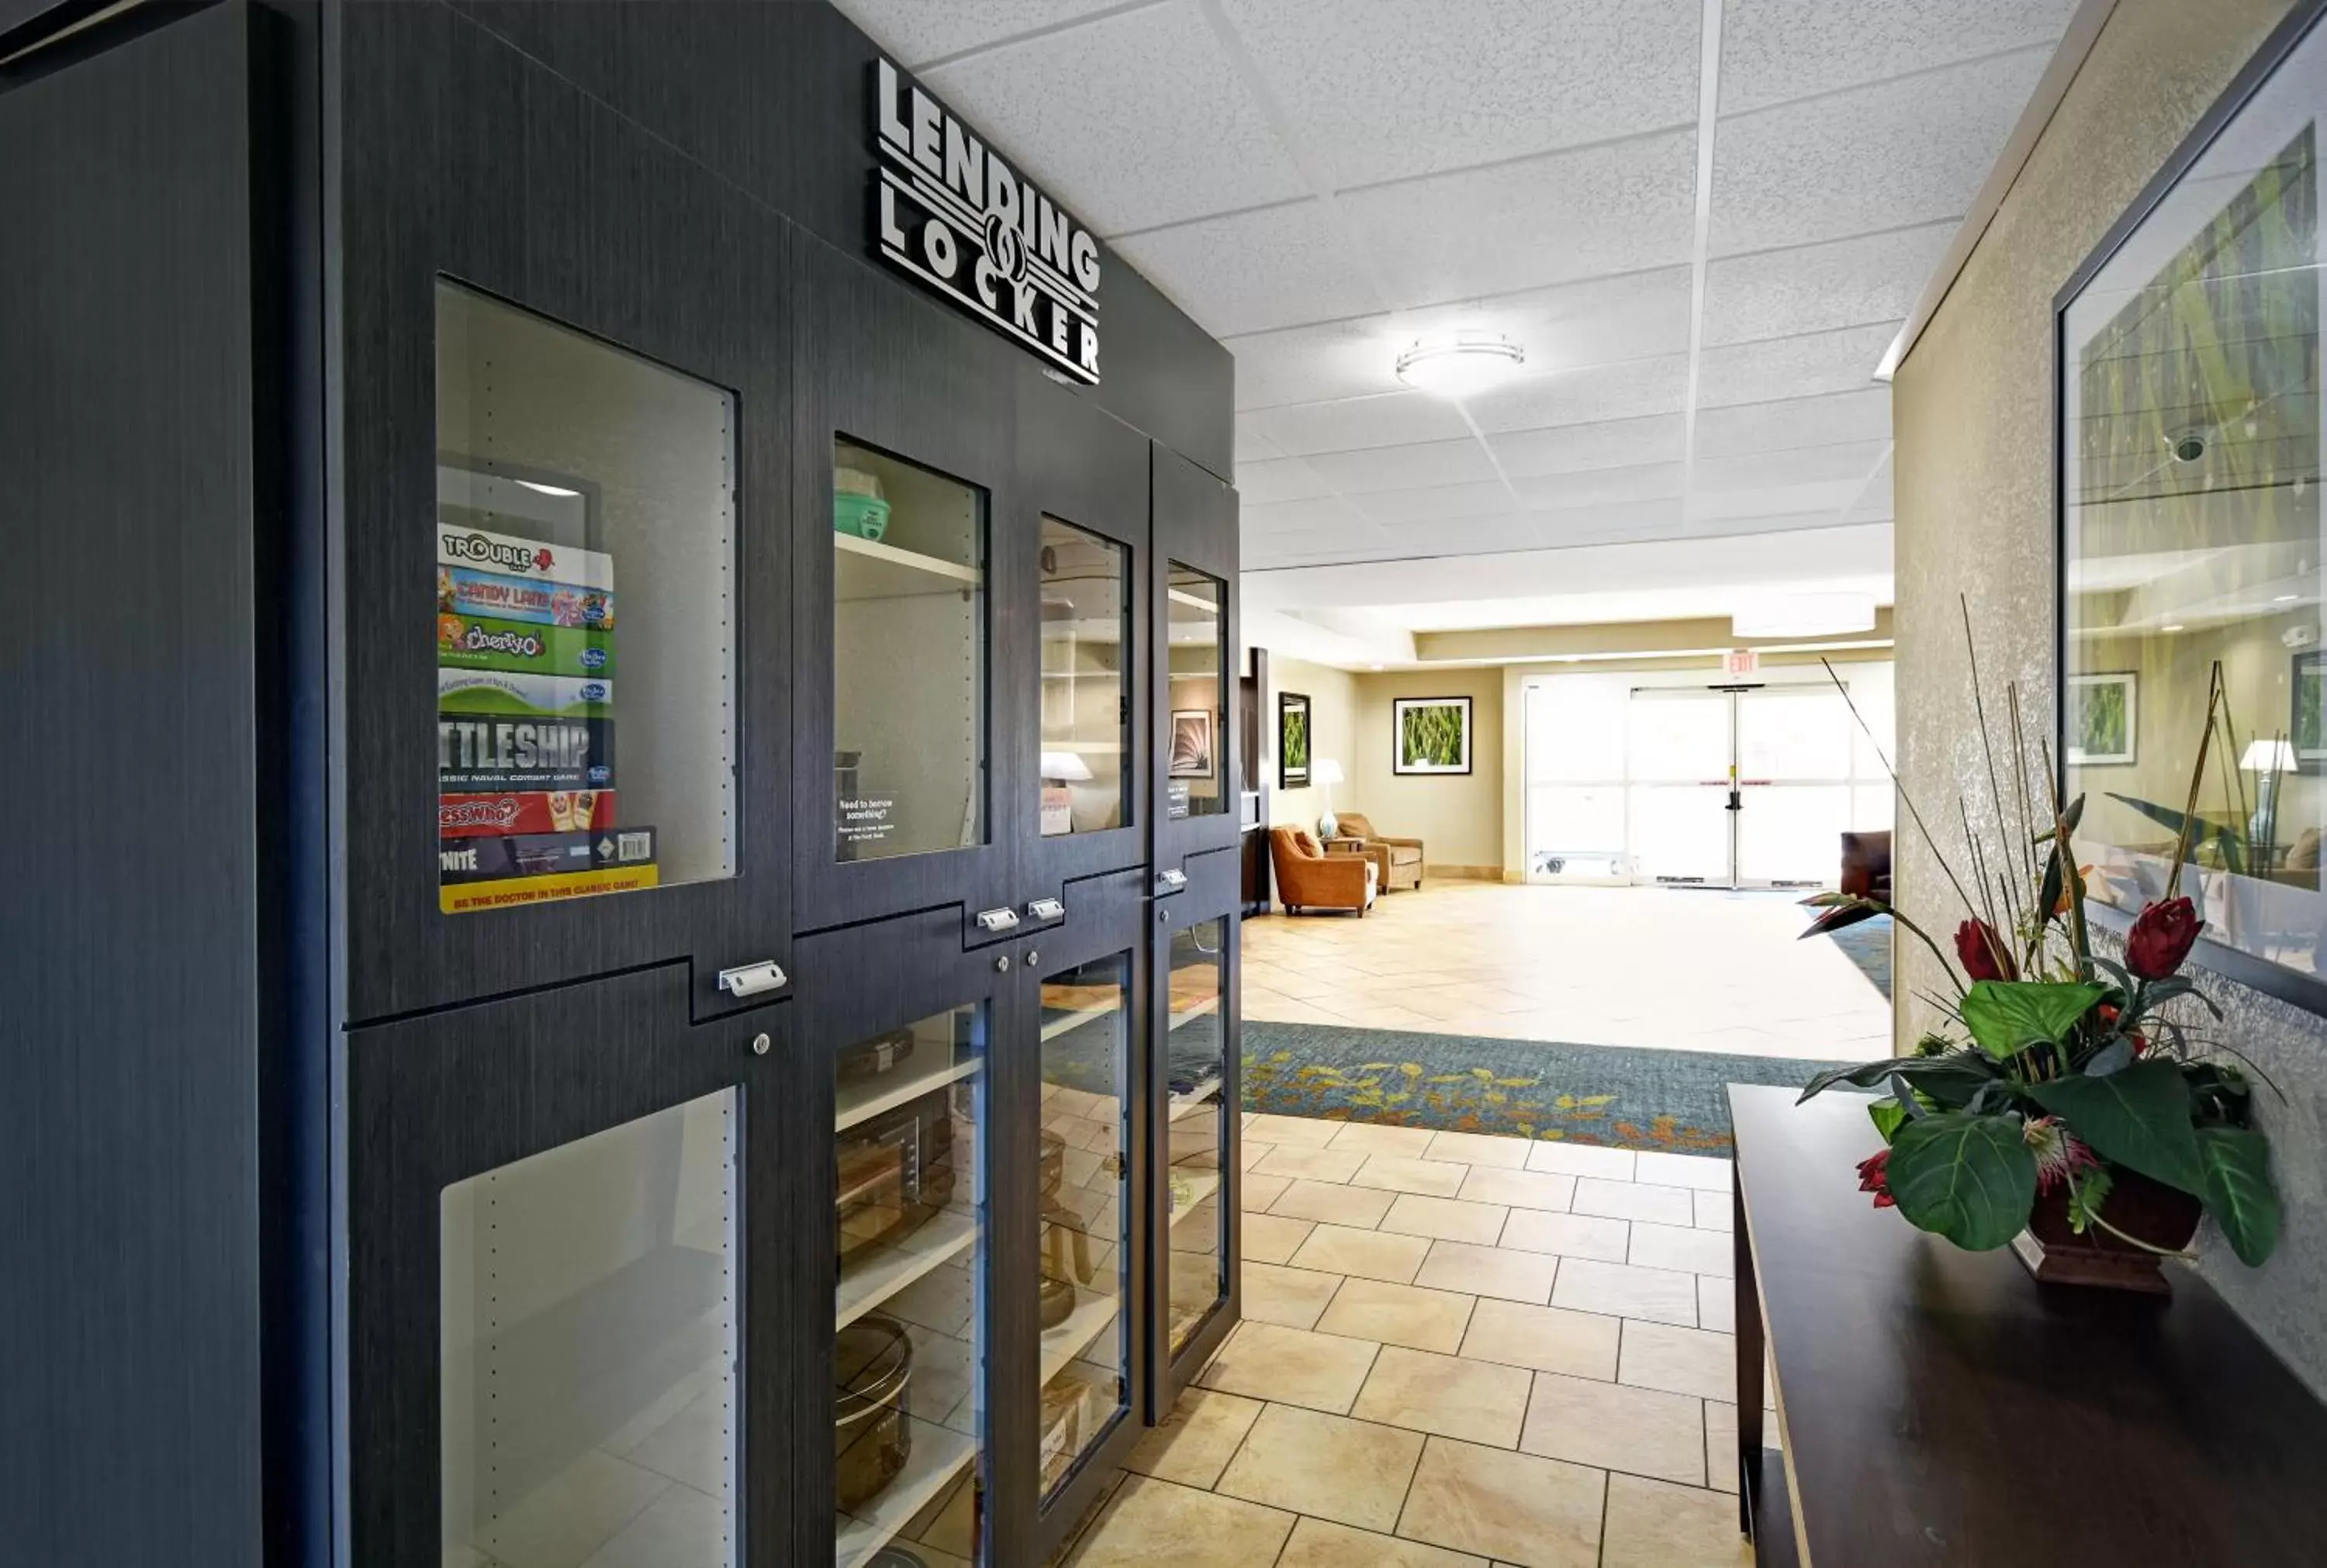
x,y
998,920
750,979
1046,909
1174,880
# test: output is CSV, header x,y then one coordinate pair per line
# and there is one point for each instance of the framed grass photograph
x,y
1431,735
1292,741
2099,720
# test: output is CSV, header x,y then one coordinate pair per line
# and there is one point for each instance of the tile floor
x,y
1457,1350
1588,966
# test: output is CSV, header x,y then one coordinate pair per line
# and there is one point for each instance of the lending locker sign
x,y
948,212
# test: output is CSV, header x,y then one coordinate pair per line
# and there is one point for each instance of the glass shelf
x,y
1195,718
1086,608
1195,1070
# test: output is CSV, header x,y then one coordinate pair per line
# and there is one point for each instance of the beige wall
x,y
1332,730
1973,412
1459,816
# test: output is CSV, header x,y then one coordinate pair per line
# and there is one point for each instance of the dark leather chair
x,y
1867,866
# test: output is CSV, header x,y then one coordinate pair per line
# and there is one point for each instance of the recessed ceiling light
x,y
1459,364
547,490
1373,667
2175,627
2286,598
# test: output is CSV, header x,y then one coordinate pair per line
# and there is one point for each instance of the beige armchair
x,y
1398,862
1307,878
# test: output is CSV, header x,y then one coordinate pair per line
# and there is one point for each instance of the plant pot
x,y
2163,1216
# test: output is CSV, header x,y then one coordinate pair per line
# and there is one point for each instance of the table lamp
x,y
1325,773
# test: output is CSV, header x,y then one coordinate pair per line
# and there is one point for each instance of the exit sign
x,y
1742,661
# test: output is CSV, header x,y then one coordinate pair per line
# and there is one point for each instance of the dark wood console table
x,y
1939,1407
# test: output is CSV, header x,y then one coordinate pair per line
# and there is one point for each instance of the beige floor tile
x,y
1253,1153
1320,1543
1625,1291
1153,1523
1633,1200
1515,1508
1614,1427
1359,1207
1307,1132
1500,1153
1477,1401
1715,1211
1309,1164
1654,1526
1489,1270
1544,1338
1721,1446
1197,1439
1391,1314
1693,1251
1271,1238
1678,1360
1444,1218
1375,1138
1366,1253
1581,1159
1294,1297
1717,1303
1354,1473
1406,1173
1292,1367
1568,1234
1699,1170
1261,1191
1518,1189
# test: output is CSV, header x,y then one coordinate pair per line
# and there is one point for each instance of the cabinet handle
x,y
1005,919
1173,879
1046,909
750,979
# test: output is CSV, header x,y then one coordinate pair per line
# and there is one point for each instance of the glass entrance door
x,y
1794,784
1681,752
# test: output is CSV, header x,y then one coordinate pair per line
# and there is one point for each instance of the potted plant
x,y
2069,1105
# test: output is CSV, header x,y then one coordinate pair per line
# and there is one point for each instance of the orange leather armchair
x,y
1398,862
1307,878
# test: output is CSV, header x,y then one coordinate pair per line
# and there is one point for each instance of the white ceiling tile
x,y
1604,392
1250,272
1844,283
1873,504
1134,120
1793,367
1624,520
1624,207
1315,545
1906,152
1601,487
1435,502
1283,479
1251,445
1847,463
1347,359
1296,516
1749,427
1389,89
1775,50
1824,501
915,31
1576,448
1396,468
1392,419
1788,523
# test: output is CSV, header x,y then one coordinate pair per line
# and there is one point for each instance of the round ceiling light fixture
x,y
1459,364
1805,615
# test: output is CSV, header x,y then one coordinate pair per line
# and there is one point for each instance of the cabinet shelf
x,y
869,569
1195,1100
939,1454
1201,1184
1067,1022
1208,1005
884,1271
862,1101
1062,1344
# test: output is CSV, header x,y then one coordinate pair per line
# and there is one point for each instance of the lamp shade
x,y
1065,767
2268,757
1324,770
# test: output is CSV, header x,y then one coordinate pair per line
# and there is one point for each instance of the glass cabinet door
x,y
1195,734
909,766
1086,1211
909,1355
1196,1133
1085,706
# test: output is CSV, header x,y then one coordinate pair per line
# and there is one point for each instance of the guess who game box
x,y
526,805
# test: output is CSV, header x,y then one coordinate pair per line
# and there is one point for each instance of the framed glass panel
x,y
1195,719
574,478
1085,1248
1195,1070
2193,537
1085,695
909,670
590,1370
909,1373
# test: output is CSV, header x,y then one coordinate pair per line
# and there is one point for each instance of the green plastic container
x,y
866,517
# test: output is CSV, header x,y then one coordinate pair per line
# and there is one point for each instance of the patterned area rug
x,y
1868,945
1620,1097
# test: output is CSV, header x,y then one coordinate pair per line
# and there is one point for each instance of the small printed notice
x,y
867,819
1175,798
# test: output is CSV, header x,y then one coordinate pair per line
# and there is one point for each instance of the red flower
x,y
1984,957
2162,937
1874,1176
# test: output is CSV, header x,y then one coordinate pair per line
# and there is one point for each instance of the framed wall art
x,y
1192,743
1430,735
1292,741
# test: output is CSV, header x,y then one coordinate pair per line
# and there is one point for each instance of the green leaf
x,y
2139,1118
2007,1016
2240,1193
1865,1075
1970,1178
1888,1115
1949,1080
